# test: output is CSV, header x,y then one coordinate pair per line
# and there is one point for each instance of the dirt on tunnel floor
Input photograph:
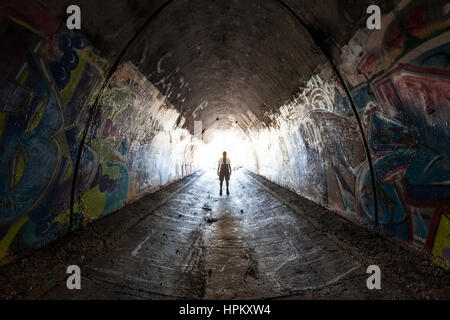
x,y
248,245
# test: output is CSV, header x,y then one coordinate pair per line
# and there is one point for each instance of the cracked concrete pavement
x,y
249,245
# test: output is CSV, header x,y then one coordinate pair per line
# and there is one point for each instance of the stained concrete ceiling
x,y
225,58
224,62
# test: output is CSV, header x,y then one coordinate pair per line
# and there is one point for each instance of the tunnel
x,y
112,131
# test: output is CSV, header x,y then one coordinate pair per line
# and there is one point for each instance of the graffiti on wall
x,y
408,135
321,147
403,100
50,79
132,148
401,88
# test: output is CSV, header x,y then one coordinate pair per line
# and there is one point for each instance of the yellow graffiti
x,y
62,218
75,76
101,64
63,145
19,167
68,172
433,28
94,202
442,240
91,203
111,171
26,25
24,77
2,123
37,116
6,241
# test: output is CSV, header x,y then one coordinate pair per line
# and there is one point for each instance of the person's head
x,y
224,154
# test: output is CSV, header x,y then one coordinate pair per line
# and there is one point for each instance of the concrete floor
x,y
247,245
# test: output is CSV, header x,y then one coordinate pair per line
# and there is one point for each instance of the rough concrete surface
x,y
248,245
302,91
32,275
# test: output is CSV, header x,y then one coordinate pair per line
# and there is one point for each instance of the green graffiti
x,y
105,148
117,98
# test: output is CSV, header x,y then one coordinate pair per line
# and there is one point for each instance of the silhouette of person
x,y
224,171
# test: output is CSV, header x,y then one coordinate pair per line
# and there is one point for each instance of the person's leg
x,y
221,183
227,180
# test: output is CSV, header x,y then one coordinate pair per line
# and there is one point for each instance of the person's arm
x,y
218,169
229,168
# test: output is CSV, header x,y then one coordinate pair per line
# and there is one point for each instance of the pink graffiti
x,y
110,130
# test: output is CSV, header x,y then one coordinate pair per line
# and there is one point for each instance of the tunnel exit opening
x,y
238,147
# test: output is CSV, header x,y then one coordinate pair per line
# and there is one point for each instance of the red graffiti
x,y
394,39
35,15
369,62
416,20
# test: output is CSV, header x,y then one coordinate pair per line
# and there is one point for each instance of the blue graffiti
x,y
69,61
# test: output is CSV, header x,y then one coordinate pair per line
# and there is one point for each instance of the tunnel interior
x,y
301,93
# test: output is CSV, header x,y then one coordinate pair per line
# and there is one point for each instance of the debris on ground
x,y
206,207
210,219
209,272
242,211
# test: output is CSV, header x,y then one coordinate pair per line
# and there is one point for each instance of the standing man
x,y
224,171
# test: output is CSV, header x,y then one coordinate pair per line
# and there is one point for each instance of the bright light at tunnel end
x,y
239,150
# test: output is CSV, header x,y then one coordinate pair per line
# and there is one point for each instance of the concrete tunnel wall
x,y
290,105
133,145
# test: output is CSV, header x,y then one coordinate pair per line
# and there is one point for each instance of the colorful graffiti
x,y
50,80
401,89
399,79
408,134
41,119
321,143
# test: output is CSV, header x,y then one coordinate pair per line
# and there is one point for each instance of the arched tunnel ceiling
x,y
366,137
222,59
